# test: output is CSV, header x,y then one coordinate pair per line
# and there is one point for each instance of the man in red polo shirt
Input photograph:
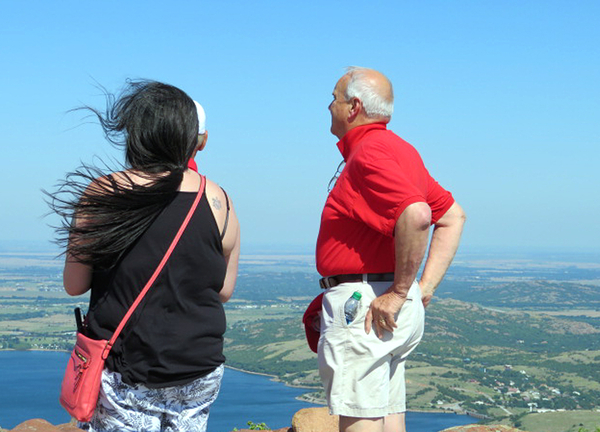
x,y
373,237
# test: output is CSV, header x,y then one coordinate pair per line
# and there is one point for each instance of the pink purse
x,y
81,383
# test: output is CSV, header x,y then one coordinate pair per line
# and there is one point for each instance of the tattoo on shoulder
x,y
216,202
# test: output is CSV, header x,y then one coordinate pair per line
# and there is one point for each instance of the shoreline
x,y
273,377
36,349
318,401
302,398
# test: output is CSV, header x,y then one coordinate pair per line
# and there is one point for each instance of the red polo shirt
x,y
383,175
192,165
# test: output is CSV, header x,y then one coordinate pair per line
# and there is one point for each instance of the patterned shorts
x,y
125,408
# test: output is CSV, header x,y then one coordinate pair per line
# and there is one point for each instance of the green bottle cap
x,y
357,295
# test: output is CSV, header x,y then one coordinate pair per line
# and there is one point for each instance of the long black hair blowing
x,y
157,124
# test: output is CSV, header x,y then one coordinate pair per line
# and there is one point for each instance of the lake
x,y
30,383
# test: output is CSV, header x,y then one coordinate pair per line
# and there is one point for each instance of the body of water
x,y
30,384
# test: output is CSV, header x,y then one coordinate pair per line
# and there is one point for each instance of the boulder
x,y
315,420
40,425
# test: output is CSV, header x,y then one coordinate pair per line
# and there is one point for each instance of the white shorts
x,y
125,408
363,375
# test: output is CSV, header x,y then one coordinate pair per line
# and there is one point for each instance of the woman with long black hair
x,y
165,368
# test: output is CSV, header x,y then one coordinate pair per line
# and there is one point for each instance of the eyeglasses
x,y
333,180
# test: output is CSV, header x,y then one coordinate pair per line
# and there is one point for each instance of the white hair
x,y
374,103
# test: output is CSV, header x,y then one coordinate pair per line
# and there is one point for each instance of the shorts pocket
x,y
359,319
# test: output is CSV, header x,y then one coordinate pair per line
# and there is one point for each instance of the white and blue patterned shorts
x,y
125,408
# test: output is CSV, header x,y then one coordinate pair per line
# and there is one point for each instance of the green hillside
x,y
524,294
472,359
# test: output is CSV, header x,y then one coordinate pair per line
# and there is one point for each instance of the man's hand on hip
x,y
382,313
426,293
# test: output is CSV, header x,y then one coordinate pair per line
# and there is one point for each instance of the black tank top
x,y
176,333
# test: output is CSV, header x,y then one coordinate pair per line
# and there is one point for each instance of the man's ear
x,y
355,109
202,144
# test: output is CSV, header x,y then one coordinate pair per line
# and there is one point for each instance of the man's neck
x,y
351,139
363,120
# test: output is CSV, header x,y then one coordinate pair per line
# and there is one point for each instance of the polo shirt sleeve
x,y
439,200
383,192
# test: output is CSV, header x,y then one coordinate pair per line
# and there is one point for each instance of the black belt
x,y
331,281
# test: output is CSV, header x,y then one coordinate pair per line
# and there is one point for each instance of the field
x,y
489,349
561,421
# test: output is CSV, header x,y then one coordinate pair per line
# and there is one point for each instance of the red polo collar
x,y
350,142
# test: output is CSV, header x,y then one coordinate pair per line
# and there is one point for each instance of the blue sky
x,y
501,98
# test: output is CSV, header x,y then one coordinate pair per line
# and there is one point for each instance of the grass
x,y
561,421
295,348
592,313
236,313
577,357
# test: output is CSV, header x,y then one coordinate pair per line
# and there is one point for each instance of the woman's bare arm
x,y
77,277
231,241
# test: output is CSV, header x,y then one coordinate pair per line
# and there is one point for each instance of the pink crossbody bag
x,y
81,383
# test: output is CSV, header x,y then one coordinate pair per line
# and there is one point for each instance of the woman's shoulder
x,y
212,186
118,181
105,183
122,179
215,194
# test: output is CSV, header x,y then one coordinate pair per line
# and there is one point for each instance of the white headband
x,y
201,119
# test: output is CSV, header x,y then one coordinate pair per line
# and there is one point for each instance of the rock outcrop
x,y
39,425
305,420
319,420
314,420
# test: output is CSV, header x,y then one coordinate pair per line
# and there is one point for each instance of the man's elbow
x,y
418,215
455,216
460,216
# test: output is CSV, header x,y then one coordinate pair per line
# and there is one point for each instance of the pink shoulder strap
x,y
162,263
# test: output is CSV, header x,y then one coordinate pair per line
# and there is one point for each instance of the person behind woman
x,y
165,369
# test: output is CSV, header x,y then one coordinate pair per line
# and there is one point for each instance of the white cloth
x,y
201,119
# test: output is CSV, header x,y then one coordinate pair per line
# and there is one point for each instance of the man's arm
x,y
444,243
410,241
